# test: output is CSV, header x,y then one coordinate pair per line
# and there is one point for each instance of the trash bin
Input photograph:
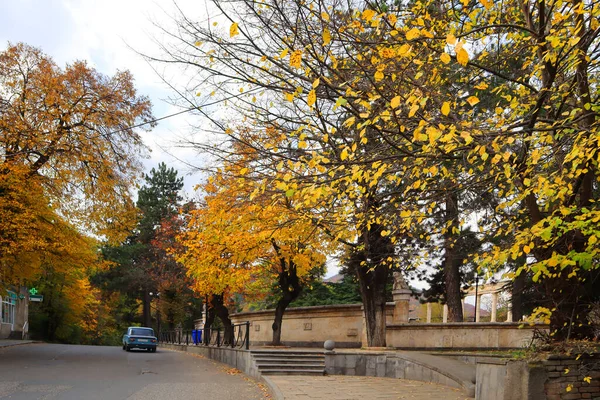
x,y
199,336
194,336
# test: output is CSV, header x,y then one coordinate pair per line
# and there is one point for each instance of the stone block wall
x,y
391,365
557,378
566,378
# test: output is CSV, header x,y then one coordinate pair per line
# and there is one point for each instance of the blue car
x,y
138,337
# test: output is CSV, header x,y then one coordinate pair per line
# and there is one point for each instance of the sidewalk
x,y
8,342
340,387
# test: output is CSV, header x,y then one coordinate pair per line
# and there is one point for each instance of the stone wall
x,y
392,365
565,378
558,378
237,358
466,335
310,326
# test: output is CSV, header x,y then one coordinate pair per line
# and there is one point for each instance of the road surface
x,y
68,372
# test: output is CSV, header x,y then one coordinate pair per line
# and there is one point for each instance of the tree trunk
x,y
372,290
223,313
518,285
146,317
289,284
368,262
210,318
452,261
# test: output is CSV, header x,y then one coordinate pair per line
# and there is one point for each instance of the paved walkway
x,y
361,388
8,343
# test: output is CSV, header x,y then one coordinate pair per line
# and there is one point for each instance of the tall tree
x,y
68,152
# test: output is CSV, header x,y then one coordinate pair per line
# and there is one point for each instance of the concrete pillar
x,y
509,316
445,315
462,303
428,313
401,305
477,308
494,306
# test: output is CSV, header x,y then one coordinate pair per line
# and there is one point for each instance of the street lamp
x,y
157,296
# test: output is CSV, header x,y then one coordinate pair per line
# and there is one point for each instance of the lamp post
x,y
157,296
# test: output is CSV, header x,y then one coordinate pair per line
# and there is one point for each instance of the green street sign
x,y
36,297
33,291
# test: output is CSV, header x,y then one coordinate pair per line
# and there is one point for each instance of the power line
x,y
155,120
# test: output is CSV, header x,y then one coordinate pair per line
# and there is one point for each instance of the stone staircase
x,y
289,362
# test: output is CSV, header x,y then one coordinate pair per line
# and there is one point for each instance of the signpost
x,y
36,297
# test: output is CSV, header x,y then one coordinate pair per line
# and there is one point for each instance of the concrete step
x,y
290,366
280,371
319,361
285,354
282,358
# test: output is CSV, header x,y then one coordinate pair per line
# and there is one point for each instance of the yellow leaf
x,y
472,100
325,16
413,34
413,110
296,59
311,98
316,83
403,50
445,57
344,154
486,3
526,249
395,102
379,76
233,30
462,56
289,97
326,37
446,108
284,53
451,39
368,15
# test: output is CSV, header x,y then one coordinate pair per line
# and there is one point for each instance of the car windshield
x,y
142,332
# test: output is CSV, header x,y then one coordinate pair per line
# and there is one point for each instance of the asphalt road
x,y
67,372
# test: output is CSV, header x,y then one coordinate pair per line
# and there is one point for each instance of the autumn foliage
x,y
69,155
385,118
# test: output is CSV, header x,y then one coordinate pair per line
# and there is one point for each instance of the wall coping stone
x,y
468,325
299,310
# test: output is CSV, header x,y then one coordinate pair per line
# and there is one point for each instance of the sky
x,y
108,34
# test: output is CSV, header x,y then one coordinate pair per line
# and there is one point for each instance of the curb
x,y
3,346
277,395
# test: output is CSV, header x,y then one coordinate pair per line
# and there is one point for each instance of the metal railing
x,y
239,337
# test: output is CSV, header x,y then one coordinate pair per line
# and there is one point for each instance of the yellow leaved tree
x,y
245,238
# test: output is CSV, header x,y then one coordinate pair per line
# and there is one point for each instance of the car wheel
x,y
127,348
154,350
123,347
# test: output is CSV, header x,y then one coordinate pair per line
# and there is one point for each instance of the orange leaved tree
x,y
244,240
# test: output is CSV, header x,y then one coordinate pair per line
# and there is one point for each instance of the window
x,y
9,303
142,332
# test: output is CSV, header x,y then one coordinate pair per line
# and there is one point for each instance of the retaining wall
x,y
237,358
557,378
394,365
344,324
466,335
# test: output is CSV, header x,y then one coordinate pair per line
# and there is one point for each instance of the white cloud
x,y
107,34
